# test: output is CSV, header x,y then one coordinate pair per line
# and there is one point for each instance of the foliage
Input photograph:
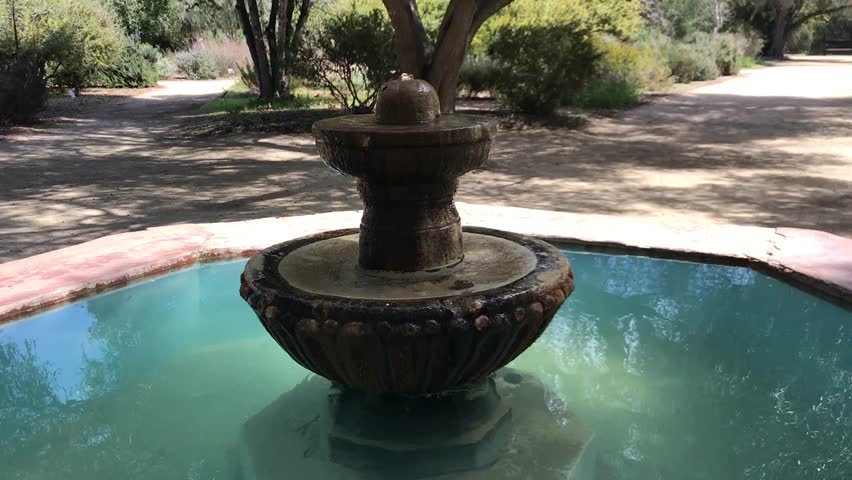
x,y
174,24
705,56
750,62
236,103
196,65
682,18
479,74
226,52
632,64
213,57
771,17
690,64
727,49
166,67
753,42
542,65
810,37
608,94
248,77
69,40
802,40
620,18
136,68
23,89
351,54
431,11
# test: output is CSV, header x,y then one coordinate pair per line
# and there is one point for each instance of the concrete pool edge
x,y
818,261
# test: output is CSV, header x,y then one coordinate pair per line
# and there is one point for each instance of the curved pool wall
x,y
818,262
682,371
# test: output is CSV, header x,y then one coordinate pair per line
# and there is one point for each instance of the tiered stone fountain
x,y
410,316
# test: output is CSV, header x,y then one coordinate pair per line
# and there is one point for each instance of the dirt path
x,y
772,147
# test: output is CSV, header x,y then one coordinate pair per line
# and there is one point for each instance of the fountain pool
x,y
682,371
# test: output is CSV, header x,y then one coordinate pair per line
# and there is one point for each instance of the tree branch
x,y
487,8
828,11
411,37
304,10
245,23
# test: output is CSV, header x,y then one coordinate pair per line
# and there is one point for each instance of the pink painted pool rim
x,y
818,261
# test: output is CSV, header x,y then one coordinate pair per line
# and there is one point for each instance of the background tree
x,y
777,20
273,45
351,53
439,62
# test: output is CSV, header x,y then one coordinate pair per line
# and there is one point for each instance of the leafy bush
x,y
70,40
248,76
23,89
726,49
608,94
542,65
196,65
351,54
620,18
166,67
802,40
136,68
689,64
174,24
478,74
636,65
224,52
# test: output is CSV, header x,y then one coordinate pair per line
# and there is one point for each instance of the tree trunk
x,y
442,64
779,35
284,15
250,19
15,29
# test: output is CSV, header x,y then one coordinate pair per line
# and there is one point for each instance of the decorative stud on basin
x,y
410,306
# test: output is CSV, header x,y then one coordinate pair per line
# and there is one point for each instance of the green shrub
x,y
70,40
225,52
196,65
542,65
802,40
351,53
608,94
750,62
637,65
689,63
23,89
478,74
136,68
248,76
166,67
727,49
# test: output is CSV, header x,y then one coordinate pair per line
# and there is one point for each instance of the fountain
x,y
410,316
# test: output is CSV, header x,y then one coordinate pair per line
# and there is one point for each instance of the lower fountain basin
x,y
406,334
681,370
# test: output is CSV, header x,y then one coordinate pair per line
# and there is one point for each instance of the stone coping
x,y
815,261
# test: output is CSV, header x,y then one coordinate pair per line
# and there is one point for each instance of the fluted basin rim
x,y
364,131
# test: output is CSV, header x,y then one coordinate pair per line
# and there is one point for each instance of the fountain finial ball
x,y
407,101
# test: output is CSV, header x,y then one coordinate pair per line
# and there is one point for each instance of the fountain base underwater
x,y
409,316
525,433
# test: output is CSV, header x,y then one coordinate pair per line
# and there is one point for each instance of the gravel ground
x,y
771,147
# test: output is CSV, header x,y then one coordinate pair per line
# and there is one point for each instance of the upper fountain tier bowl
x,y
409,304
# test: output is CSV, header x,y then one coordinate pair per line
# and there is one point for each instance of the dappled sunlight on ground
x,y
772,147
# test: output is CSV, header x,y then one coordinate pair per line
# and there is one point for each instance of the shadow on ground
x,y
697,157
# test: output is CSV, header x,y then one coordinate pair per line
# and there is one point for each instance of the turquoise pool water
x,y
683,371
